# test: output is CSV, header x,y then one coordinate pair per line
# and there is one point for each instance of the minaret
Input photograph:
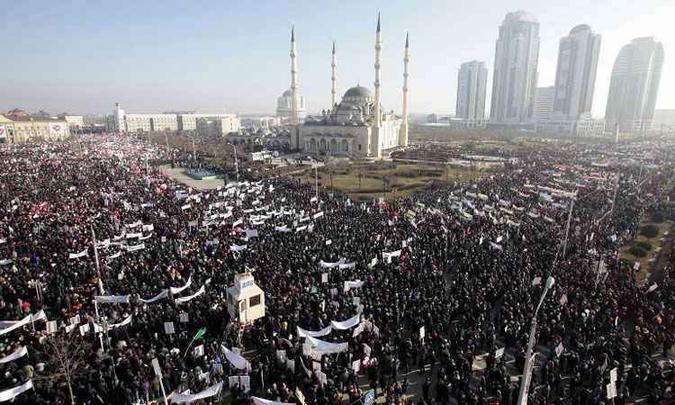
x,y
403,133
378,49
332,78
294,80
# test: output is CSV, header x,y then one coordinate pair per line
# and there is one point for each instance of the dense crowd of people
x,y
444,283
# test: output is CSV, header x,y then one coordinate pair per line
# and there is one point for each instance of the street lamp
x,y
527,368
236,162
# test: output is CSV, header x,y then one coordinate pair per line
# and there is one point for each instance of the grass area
x,y
368,181
655,242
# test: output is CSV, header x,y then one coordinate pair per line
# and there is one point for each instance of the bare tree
x,y
65,356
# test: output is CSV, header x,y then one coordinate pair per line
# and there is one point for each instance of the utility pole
x,y
236,162
98,268
616,188
529,362
194,151
158,373
316,180
567,229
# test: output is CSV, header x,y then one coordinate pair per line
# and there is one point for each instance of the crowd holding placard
x,y
134,266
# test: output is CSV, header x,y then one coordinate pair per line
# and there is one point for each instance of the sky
x,y
82,56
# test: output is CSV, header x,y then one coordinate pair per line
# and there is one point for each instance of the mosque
x,y
357,126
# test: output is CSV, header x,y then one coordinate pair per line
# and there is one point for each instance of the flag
x,y
200,333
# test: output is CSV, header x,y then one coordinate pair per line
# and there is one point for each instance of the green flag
x,y
200,333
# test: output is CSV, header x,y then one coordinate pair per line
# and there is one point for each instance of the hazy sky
x,y
81,56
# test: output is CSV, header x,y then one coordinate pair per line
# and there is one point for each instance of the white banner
x,y
125,322
320,347
251,233
178,290
496,246
302,333
115,256
57,128
349,323
103,244
207,393
148,228
134,235
23,322
353,284
135,247
236,360
389,255
282,229
318,215
345,266
162,295
237,248
327,265
187,298
78,255
261,401
16,355
11,393
112,299
34,318
4,262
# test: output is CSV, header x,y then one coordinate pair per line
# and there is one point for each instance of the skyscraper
x,y
634,85
543,103
515,72
471,86
575,75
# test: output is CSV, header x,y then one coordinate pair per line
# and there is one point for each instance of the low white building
x,y
189,121
260,122
150,122
585,127
180,121
245,300
32,129
217,126
75,122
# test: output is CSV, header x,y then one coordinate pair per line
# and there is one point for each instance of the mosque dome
x,y
287,93
358,91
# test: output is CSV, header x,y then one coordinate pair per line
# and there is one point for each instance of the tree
x,y
65,357
650,231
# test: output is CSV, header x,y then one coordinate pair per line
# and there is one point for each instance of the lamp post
x,y
316,180
527,369
236,162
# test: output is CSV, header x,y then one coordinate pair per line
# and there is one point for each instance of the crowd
x,y
443,284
